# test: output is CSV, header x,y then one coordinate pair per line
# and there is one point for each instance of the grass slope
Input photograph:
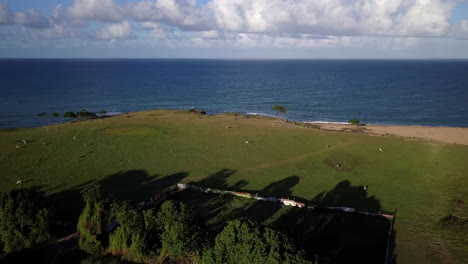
x,y
138,154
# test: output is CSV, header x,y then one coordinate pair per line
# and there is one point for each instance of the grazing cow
x,y
365,187
74,137
381,149
18,147
19,182
24,141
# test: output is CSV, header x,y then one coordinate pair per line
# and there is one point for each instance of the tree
x,y
41,114
25,220
244,242
55,114
69,115
93,219
354,122
279,108
180,235
133,239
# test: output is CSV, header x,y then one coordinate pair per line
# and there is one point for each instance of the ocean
x,y
406,92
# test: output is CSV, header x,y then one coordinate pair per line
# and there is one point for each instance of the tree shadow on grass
x,y
218,209
136,185
343,194
261,210
337,236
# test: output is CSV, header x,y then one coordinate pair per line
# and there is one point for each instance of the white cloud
x,y
101,10
121,30
32,18
388,24
418,18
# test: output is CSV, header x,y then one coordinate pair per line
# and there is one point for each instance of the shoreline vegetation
x,y
138,154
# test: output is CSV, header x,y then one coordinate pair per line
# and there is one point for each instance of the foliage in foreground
x,y
244,242
93,220
180,236
136,238
25,221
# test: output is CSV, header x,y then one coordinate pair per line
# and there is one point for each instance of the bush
x,y
25,221
86,115
55,114
93,219
197,111
69,115
279,108
243,242
354,122
41,114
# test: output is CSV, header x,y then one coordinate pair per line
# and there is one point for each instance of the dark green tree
x,y
55,114
93,219
244,242
25,220
134,239
180,235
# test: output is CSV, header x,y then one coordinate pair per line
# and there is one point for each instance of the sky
x,y
256,29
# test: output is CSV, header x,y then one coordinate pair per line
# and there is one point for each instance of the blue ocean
x,y
409,92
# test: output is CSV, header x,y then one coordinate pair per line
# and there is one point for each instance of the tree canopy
x,y
25,220
244,242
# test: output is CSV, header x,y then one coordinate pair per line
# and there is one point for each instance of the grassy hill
x,y
138,154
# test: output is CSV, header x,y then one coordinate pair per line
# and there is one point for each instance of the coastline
x,y
451,135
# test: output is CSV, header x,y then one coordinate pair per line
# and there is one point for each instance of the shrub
x,y
197,111
86,115
55,114
25,221
243,242
93,219
354,122
279,108
69,115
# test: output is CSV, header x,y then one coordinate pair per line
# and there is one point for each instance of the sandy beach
x,y
452,135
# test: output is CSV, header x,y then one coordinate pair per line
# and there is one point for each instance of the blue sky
x,y
234,29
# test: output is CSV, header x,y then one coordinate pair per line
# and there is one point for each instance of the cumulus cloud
x,y
121,30
32,18
101,10
247,23
335,17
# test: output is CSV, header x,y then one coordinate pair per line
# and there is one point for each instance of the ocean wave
x,y
325,122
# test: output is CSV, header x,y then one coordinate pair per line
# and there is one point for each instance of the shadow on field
x,y
337,236
136,185
329,235
343,194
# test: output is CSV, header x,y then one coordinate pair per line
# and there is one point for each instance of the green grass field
x,y
138,154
